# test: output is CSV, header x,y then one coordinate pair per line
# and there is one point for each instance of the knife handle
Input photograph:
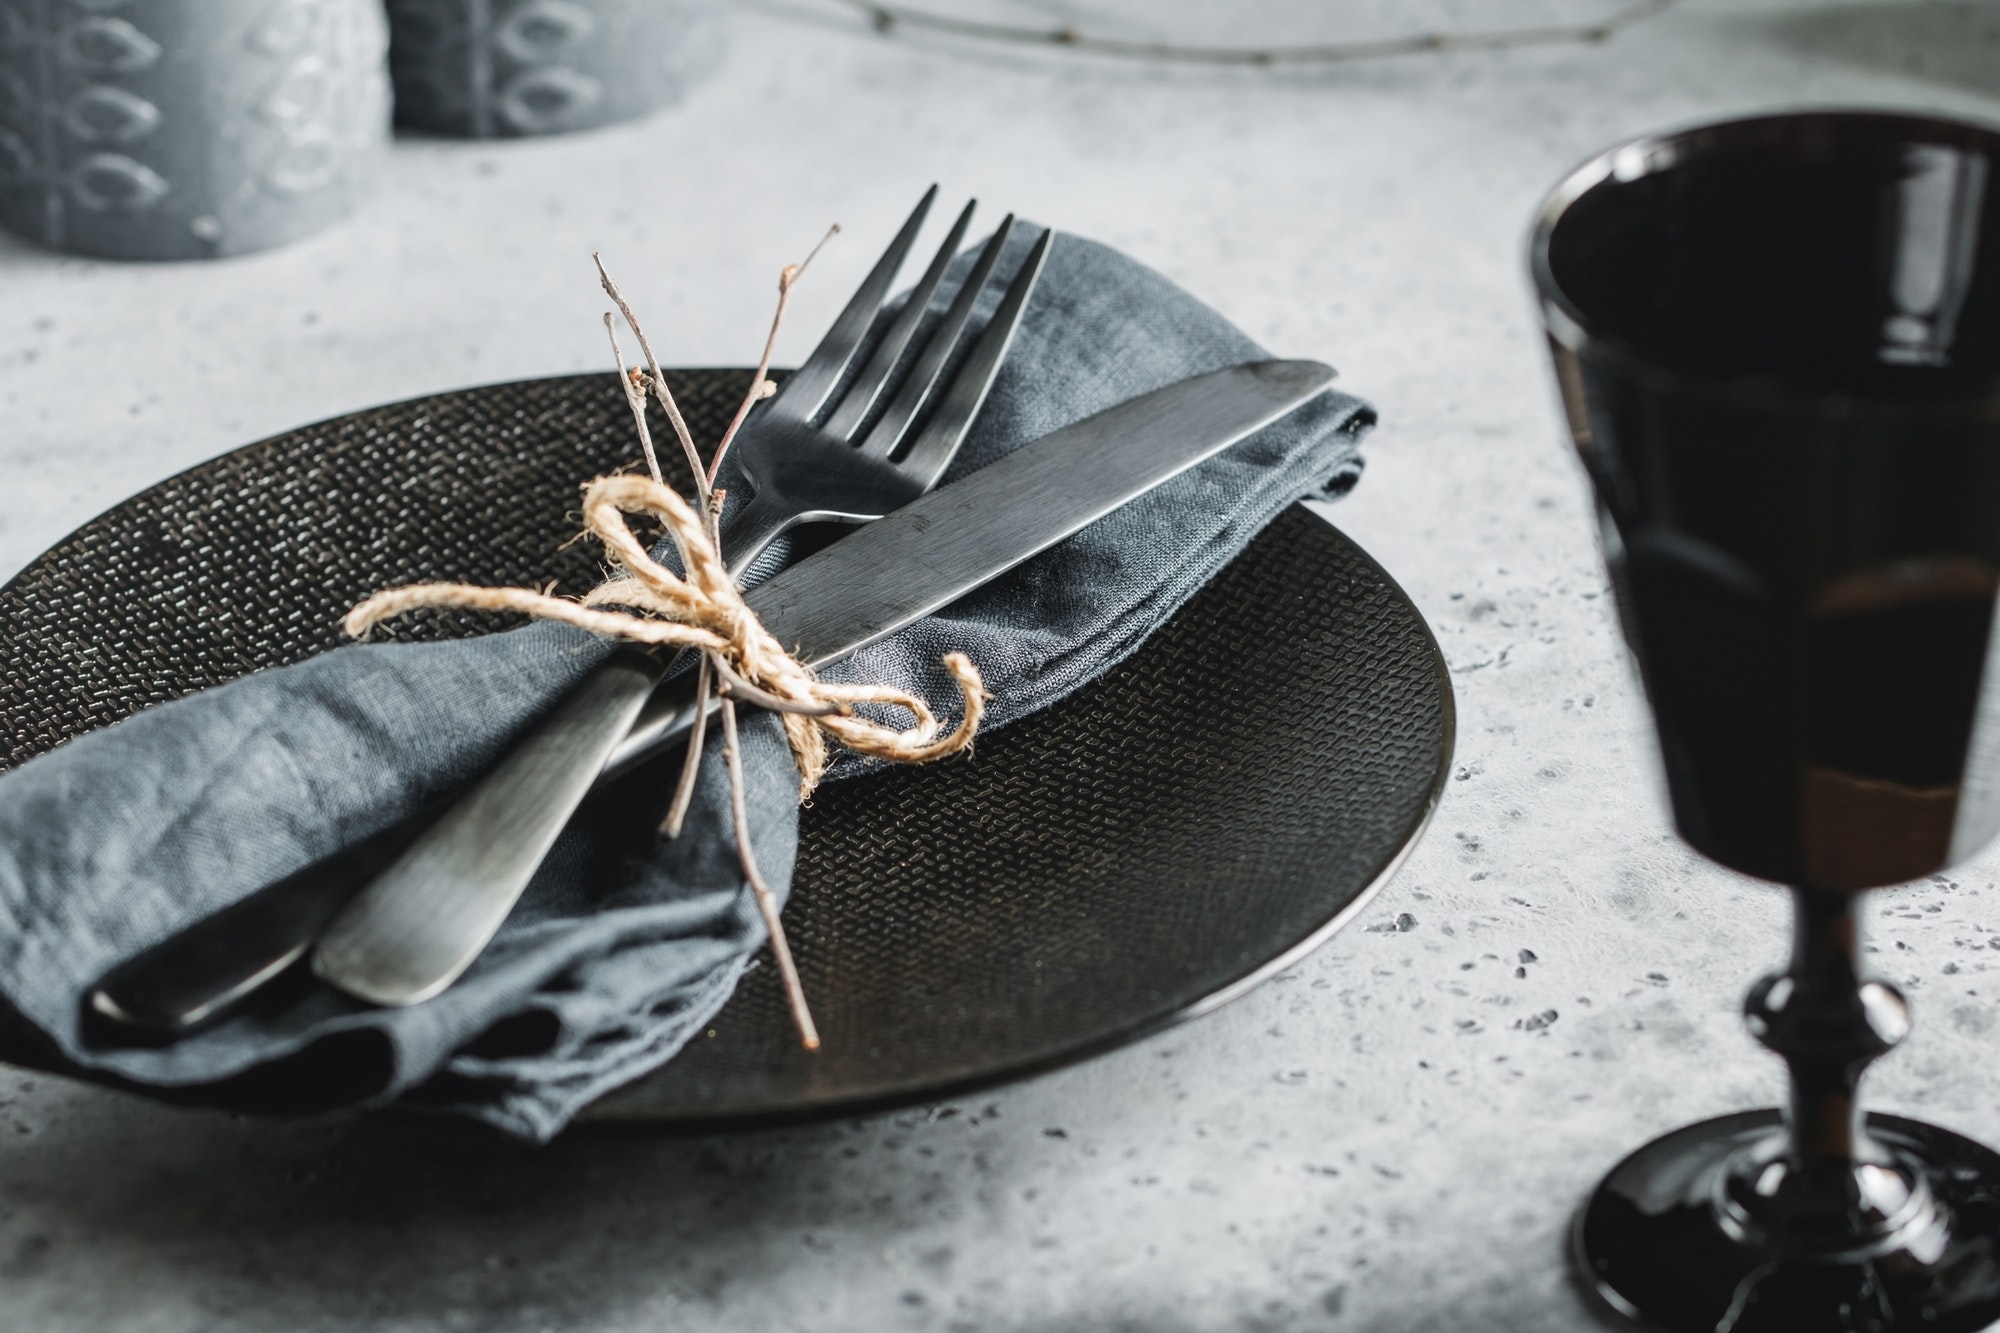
x,y
189,980
199,976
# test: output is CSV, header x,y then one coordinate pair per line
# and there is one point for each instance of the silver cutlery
x,y
415,930
802,457
1088,469
422,921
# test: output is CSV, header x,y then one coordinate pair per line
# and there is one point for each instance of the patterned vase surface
x,y
187,129
494,68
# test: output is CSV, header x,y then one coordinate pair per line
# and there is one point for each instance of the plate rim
x,y
602,1117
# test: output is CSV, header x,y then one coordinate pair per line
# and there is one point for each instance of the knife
x,y
436,889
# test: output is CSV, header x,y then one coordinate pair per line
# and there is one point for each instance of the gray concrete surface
x,y
1368,1143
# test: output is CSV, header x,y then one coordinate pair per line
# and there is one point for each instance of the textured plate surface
x,y
1174,832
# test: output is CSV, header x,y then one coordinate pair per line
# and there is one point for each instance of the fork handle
x,y
417,926
201,974
664,720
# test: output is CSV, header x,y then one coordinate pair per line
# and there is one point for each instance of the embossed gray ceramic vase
x,y
186,129
498,68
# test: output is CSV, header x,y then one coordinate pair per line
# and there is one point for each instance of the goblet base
x,y
1658,1244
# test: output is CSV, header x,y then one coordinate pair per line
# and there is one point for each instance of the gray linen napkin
x,y
625,945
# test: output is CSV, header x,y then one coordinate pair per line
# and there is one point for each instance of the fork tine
x,y
938,443
805,390
867,388
888,432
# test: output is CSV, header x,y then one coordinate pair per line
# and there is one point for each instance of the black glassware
x,y
1777,342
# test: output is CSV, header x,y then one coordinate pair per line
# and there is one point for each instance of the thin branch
x,y
832,231
660,390
767,902
735,687
677,813
684,792
635,398
713,517
886,19
761,388
691,765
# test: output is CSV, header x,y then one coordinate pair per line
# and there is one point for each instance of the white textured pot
x,y
493,68
187,129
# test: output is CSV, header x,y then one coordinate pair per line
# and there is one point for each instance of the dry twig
x,y
713,664
767,902
659,377
760,387
887,18
736,687
702,609
635,398
691,764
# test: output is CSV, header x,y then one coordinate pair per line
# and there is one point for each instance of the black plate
x,y
1180,829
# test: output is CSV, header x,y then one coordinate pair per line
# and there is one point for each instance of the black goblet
x,y
1777,343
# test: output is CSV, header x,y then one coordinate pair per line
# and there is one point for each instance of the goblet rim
x,y
1567,323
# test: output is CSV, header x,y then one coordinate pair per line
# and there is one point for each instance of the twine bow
x,y
705,611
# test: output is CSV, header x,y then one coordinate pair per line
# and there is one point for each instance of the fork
x,y
417,926
201,974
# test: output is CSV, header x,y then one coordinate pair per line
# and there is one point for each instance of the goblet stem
x,y
1845,1034
1831,1187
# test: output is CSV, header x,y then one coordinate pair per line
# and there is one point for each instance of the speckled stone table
x,y
1378,1140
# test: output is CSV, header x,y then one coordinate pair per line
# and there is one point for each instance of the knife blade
x,y
419,922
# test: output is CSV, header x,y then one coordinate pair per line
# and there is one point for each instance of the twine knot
x,y
704,610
